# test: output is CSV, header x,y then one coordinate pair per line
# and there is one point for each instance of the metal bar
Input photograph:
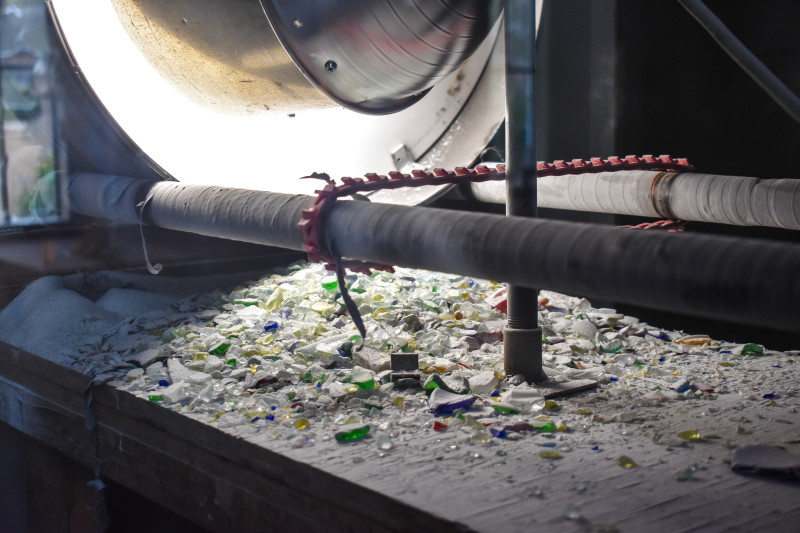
x,y
522,335
744,280
764,77
5,211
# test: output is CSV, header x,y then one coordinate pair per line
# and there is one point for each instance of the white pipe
x,y
736,200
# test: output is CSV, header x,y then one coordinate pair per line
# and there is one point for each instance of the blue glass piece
x,y
256,419
769,396
612,378
499,433
596,448
269,417
550,445
163,383
270,326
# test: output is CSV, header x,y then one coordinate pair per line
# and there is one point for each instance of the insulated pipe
x,y
742,280
523,336
735,200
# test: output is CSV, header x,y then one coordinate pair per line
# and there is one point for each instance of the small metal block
x,y
396,376
405,362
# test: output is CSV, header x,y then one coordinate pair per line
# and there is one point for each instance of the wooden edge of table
x,y
215,479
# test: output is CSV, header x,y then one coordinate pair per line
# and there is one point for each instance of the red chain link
x,y
311,217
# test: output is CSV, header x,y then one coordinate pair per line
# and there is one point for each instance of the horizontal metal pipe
x,y
736,200
744,280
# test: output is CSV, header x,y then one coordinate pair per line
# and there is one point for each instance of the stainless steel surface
x,y
208,144
380,56
222,55
373,56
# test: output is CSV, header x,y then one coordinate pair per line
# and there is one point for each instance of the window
x,y
31,180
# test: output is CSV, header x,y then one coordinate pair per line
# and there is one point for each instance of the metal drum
x,y
380,56
257,94
373,56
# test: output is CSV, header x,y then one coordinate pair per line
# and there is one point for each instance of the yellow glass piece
x,y
725,363
480,437
690,434
562,427
465,295
274,301
379,311
266,339
635,374
352,419
377,297
773,403
584,412
694,340
200,356
542,417
253,368
496,398
322,307
626,462
550,455
301,423
398,402
351,388
551,404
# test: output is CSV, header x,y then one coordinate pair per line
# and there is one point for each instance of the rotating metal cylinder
x,y
258,93
371,56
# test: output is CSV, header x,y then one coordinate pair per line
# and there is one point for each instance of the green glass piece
x,y
155,398
752,349
432,383
504,408
221,349
231,362
373,406
547,428
330,286
369,384
351,432
291,395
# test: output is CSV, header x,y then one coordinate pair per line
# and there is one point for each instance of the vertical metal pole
x,y
522,336
5,213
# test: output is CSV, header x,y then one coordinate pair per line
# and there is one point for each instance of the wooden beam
x,y
212,478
